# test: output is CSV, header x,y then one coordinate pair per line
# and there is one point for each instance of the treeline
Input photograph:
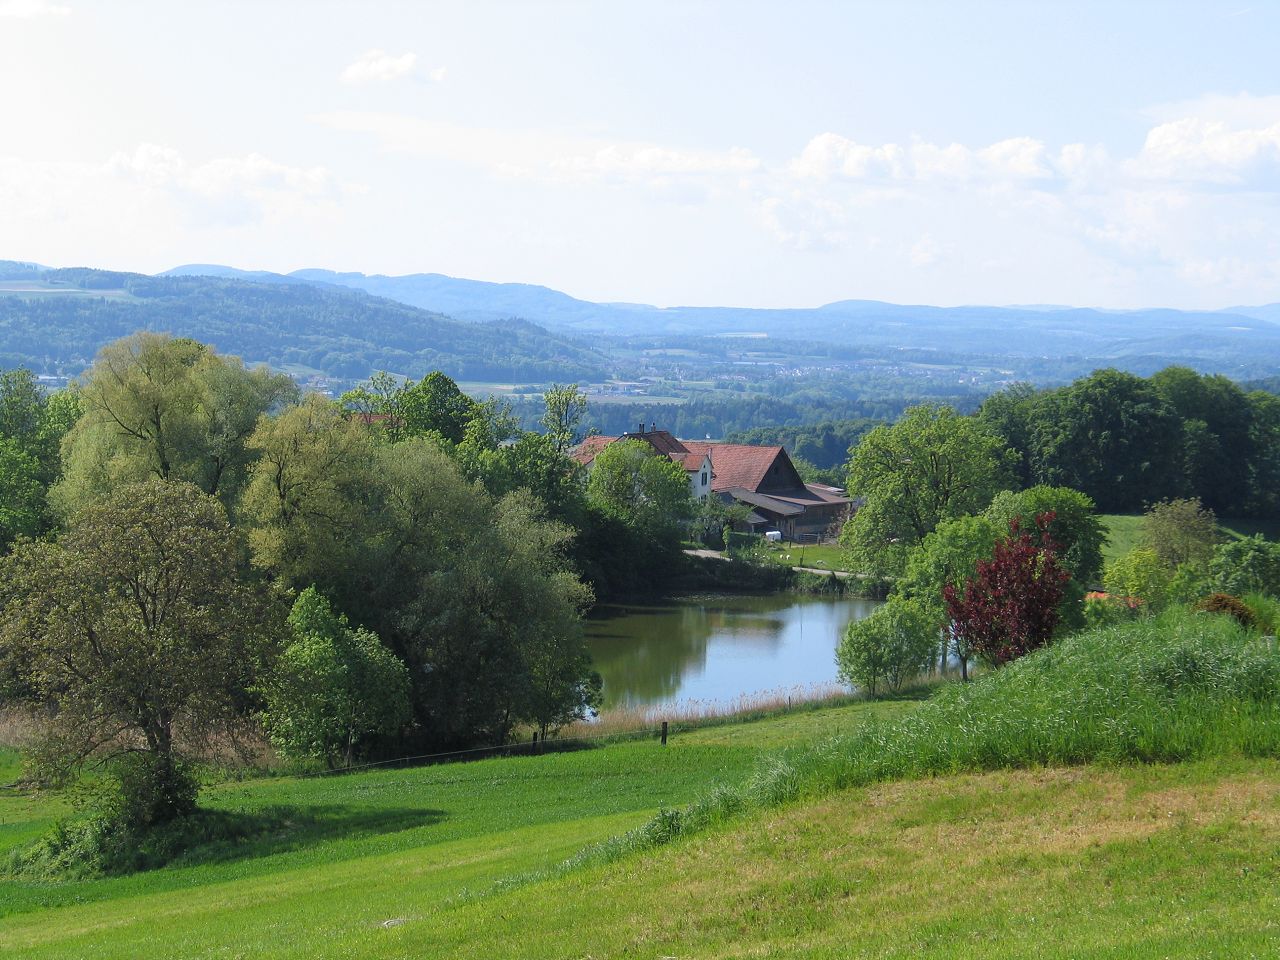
x,y
197,551
1128,441
342,332
825,445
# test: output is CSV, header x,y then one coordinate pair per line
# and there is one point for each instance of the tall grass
x,y
1178,687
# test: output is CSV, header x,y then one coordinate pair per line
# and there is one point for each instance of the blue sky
x,y
1118,154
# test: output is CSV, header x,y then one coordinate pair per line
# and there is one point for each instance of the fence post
x,y
664,733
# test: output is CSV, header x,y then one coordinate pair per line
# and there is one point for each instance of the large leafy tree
x,y
137,632
644,489
436,405
1075,527
465,588
173,409
931,465
1110,435
1217,440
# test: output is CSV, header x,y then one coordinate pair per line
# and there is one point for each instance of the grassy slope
x,y
1129,862
1125,531
1120,860
374,846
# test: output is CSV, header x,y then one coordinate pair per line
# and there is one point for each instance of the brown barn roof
x,y
735,464
586,451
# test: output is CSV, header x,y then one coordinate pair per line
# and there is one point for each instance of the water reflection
x,y
717,649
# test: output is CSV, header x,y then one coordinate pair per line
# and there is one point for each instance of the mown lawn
x,y
368,847
820,556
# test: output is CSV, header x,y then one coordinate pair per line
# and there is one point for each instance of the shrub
x,y
1232,606
1251,564
1141,576
888,648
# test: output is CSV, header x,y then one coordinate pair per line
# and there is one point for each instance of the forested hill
x,y
1243,341
55,321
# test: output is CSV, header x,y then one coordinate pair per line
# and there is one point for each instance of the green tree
x,y
1264,466
1217,441
1111,436
1140,575
464,588
379,403
436,406
948,557
1075,527
155,406
885,650
333,688
1247,565
137,634
566,406
933,464
305,506
644,489
22,495
1180,531
562,685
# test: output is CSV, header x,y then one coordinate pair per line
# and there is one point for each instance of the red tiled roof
x,y
735,464
586,451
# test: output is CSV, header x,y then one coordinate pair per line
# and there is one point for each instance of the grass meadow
x,y
1115,795
1124,532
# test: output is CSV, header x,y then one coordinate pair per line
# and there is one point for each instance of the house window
x,y
704,478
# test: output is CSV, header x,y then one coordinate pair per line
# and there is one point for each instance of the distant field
x,y
614,398
27,288
825,556
1124,531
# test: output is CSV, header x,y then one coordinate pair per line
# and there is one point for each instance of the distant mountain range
x,y
56,320
346,325
1240,340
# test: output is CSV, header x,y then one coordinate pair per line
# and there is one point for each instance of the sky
x,y
734,153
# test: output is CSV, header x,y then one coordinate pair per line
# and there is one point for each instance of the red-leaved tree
x,y
1009,607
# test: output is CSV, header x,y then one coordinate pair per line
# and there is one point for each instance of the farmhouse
x,y
761,478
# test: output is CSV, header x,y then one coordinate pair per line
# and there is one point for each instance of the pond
x,y
716,651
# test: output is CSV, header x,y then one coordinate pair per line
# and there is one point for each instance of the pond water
x,y
718,650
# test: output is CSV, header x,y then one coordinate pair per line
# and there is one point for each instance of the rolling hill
x,y
56,320
1243,342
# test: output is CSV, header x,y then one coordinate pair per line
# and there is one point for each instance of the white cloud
x,y
550,158
1210,151
154,191
439,73
378,66
30,9
830,155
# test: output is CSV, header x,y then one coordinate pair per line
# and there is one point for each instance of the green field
x,y
909,828
819,556
1124,531
369,847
